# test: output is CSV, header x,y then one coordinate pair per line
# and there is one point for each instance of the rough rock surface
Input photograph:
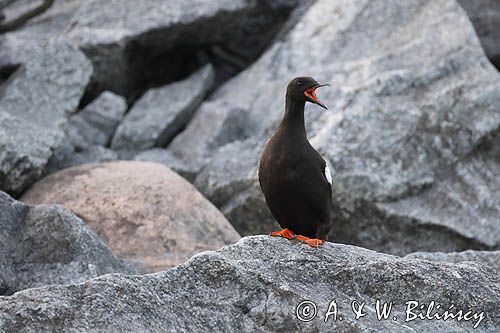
x,y
489,258
485,15
34,106
48,245
147,214
255,286
96,123
412,111
464,197
163,112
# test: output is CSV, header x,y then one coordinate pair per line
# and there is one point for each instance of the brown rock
x,y
146,213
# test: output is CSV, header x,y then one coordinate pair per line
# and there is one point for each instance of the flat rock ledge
x,y
256,285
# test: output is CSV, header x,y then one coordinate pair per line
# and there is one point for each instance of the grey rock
x,y
5,3
93,154
255,286
88,132
34,106
213,126
485,15
17,47
489,258
96,123
165,157
163,112
66,156
409,105
48,245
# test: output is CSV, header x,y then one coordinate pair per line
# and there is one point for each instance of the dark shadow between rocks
x,y
151,68
496,62
7,71
148,68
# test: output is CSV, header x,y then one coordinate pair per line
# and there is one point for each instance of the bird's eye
x,y
299,83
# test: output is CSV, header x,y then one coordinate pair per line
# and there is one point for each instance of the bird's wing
x,y
310,175
318,193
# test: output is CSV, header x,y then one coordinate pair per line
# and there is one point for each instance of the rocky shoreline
x,y
130,134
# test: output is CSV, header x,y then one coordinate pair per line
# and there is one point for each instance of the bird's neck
x,y
294,116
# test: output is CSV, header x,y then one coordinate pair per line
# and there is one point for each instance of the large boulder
x,y
257,284
413,113
48,245
163,112
485,15
34,106
146,213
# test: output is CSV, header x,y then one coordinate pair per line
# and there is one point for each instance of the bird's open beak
x,y
311,93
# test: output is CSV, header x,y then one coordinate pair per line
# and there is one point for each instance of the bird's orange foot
x,y
287,233
313,242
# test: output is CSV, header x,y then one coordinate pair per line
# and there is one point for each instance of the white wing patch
x,y
328,174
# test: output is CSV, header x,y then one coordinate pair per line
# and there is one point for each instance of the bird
x,y
295,179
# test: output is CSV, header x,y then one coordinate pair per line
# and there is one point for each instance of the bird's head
x,y
303,89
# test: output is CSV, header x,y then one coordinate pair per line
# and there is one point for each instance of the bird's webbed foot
x,y
286,233
313,242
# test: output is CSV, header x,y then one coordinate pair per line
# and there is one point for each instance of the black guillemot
x,y
294,178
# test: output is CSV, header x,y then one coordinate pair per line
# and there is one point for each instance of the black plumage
x,y
293,176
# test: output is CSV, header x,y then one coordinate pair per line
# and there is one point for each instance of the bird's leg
x,y
314,242
287,233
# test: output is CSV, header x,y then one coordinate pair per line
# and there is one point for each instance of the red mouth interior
x,y
311,93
